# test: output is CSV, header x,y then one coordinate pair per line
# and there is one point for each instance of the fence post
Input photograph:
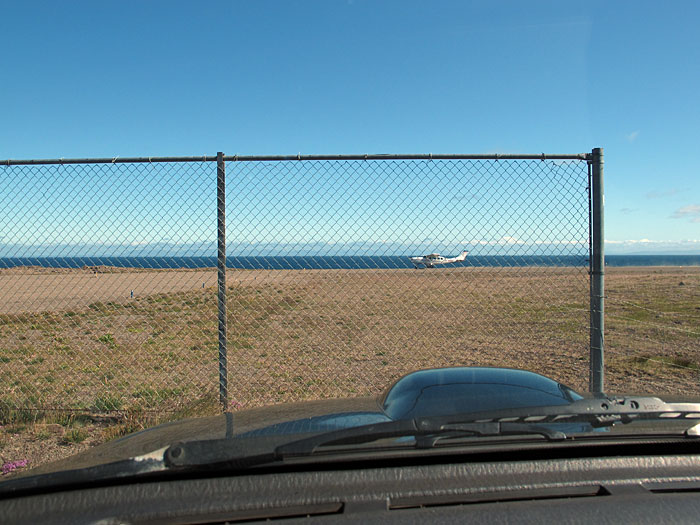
x,y
221,273
597,273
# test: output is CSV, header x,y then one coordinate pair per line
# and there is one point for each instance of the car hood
x,y
307,416
425,393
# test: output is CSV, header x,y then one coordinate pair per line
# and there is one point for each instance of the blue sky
x,y
91,79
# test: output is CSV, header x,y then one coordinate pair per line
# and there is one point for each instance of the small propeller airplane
x,y
432,259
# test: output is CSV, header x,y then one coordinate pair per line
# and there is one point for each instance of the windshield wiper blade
x,y
490,429
597,412
238,455
418,428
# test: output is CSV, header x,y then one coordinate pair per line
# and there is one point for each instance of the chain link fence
x,y
108,279
327,302
104,301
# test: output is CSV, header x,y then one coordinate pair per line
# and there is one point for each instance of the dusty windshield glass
x,y
269,213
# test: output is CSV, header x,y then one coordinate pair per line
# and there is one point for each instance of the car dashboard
x,y
652,482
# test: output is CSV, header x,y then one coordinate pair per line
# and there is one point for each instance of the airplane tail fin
x,y
462,256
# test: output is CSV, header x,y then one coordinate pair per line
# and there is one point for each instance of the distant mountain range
x,y
326,249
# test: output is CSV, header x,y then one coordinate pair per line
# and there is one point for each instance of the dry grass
x,y
653,329
317,333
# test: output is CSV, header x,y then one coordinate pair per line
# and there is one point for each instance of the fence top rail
x,y
411,156
109,160
299,157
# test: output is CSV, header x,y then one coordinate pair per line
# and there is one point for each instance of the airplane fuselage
x,y
433,259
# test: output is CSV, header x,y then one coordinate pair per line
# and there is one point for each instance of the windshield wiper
x,y
426,431
247,453
535,421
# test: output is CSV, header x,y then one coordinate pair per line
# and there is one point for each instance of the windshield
x,y
304,217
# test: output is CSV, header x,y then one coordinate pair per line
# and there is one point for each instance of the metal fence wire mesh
x,y
108,284
340,310
99,309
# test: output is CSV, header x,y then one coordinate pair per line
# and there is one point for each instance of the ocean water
x,y
343,262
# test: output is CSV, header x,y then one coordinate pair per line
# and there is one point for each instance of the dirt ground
x,y
45,289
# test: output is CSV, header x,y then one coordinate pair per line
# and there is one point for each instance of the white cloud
x,y
510,240
631,137
691,212
689,246
637,241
